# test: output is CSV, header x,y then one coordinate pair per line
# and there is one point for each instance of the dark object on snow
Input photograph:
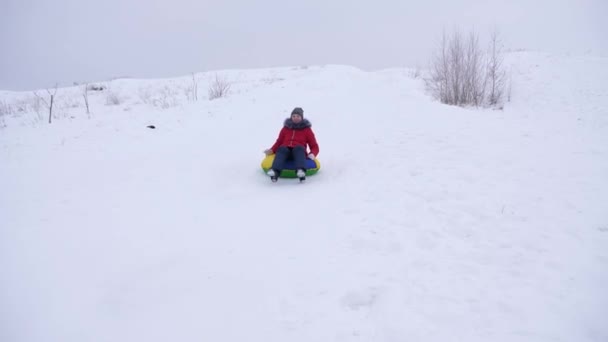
x,y
96,87
151,126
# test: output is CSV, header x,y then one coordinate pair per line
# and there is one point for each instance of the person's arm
x,y
278,142
312,143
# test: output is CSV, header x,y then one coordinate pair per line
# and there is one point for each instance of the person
x,y
294,139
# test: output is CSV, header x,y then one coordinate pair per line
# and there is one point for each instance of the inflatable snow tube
x,y
312,167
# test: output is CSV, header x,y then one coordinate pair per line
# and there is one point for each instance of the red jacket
x,y
299,134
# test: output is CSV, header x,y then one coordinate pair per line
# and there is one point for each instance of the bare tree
x,y
456,69
460,72
438,79
475,76
85,95
218,88
450,78
48,104
495,73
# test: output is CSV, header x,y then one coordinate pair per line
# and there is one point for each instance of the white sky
x,y
63,41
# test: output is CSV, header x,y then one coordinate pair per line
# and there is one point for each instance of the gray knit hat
x,y
298,111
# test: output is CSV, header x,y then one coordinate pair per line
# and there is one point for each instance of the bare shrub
x,y
167,98
463,74
164,98
6,109
415,73
218,88
112,98
145,95
31,103
28,104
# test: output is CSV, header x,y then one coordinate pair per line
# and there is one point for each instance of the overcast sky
x,y
43,42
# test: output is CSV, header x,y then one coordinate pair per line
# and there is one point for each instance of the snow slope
x,y
425,222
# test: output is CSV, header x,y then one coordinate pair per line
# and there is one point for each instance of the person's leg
x,y
280,157
299,156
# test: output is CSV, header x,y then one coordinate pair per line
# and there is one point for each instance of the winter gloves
x,y
311,156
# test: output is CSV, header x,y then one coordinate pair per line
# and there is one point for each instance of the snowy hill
x,y
425,223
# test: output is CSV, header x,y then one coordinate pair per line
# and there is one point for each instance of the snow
x,y
425,223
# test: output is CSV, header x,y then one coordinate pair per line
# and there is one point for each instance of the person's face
x,y
296,118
